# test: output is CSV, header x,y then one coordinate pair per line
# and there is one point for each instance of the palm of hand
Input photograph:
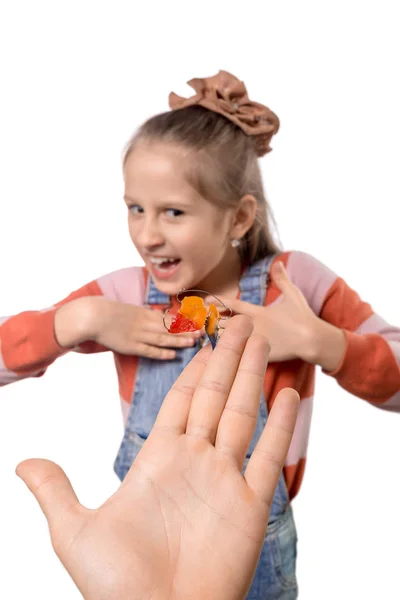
x,y
288,323
196,512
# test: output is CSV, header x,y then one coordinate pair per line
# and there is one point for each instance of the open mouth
x,y
163,266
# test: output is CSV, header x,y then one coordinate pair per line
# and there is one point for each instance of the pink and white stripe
x,y
126,285
393,404
376,324
312,277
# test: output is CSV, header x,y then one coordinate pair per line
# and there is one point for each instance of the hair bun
x,y
227,95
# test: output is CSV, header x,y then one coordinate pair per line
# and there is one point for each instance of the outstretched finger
x,y
239,418
214,387
173,414
267,460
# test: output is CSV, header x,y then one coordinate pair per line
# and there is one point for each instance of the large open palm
x,y
184,523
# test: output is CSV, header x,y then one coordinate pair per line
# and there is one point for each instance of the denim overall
x,y
275,577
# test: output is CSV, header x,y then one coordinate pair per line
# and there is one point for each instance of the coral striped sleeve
x,y
370,368
28,345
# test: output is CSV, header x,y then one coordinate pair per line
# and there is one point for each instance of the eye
x,y
135,209
173,212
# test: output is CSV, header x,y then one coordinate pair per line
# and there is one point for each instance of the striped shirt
x,y
370,368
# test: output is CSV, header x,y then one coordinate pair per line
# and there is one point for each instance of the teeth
x,y
159,261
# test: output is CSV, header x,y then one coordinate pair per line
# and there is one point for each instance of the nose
x,y
150,234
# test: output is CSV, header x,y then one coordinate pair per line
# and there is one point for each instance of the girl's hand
x,y
185,523
123,328
289,323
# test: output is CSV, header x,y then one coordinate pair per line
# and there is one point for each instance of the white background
x,y
77,78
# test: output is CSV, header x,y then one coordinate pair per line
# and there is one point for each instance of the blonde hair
x,y
225,167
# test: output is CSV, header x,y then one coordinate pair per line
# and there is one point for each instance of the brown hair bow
x,y
225,94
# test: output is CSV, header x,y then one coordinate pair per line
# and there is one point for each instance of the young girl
x,y
199,219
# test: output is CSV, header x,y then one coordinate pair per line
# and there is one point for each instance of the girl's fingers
x,y
155,324
267,460
237,306
214,387
167,340
281,277
149,351
239,418
153,316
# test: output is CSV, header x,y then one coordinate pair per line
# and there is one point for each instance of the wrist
x,y
77,321
308,341
325,345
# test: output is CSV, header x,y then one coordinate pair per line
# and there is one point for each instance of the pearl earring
x,y
235,243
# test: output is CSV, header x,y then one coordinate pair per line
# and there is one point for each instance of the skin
x,y
184,524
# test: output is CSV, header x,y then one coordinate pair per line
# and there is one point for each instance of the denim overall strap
x,y
154,379
254,282
153,295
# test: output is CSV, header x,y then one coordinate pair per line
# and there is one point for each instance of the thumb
x,y
280,276
50,486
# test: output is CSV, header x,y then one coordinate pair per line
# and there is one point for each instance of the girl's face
x,y
184,240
